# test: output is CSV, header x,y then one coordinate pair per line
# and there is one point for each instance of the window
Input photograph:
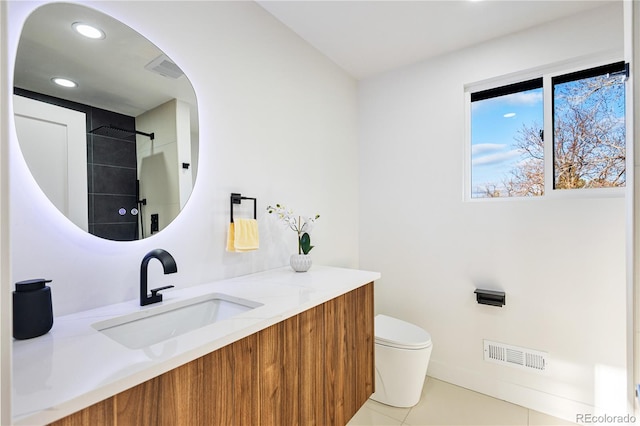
x,y
588,129
506,126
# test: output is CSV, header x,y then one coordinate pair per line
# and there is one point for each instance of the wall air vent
x,y
514,356
164,66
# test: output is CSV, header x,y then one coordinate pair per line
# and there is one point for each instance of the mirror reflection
x,y
113,142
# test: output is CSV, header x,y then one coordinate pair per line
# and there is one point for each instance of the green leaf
x,y
305,243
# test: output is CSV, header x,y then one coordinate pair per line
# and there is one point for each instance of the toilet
x,y
402,352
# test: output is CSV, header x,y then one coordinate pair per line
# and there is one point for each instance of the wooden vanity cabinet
x,y
316,368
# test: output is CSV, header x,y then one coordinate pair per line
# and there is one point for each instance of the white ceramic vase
x,y
300,262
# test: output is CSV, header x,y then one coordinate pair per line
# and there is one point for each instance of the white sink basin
x,y
147,327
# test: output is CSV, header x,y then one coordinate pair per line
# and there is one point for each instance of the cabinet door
x,y
246,377
138,405
312,367
169,399
291,372
336,360
349,367
278,363
271,363
217,387
364,343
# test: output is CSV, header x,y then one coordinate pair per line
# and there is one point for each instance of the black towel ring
x,y
237,199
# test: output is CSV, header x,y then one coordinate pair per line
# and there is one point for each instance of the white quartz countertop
x,y
74,365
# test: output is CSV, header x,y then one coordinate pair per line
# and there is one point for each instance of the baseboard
x,y
533,399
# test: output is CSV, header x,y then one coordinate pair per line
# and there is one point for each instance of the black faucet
x,y
169,265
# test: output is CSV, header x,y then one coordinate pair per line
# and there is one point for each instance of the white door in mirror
x,y
53,143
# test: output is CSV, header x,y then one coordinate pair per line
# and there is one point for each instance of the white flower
x,y
299,224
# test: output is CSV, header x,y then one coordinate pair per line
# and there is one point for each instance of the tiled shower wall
x,y
111,170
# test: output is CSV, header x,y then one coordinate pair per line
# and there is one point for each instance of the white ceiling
x,y
110,73
363,37
368,37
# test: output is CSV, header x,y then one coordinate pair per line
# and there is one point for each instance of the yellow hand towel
x,y
243,235
230,237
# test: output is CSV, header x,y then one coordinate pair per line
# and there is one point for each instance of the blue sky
x,y
494,124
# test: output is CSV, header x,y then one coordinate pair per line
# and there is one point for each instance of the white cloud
x,y
514,99
496,158
487,148
524,98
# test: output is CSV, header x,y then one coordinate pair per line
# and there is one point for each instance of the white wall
x,y
277,122
632,30
5,252
560,261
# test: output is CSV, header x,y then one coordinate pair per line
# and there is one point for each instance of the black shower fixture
x,y
118,132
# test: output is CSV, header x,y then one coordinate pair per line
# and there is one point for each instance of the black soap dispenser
x,y
32,310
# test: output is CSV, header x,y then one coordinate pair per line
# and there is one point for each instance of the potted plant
x,y
300,262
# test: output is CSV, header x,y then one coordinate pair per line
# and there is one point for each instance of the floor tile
x,y
368,417
539,419
389,411
442,404
446,404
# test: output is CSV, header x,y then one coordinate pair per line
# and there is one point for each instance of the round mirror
x,y
106,121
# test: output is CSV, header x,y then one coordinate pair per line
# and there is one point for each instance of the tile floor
x,y
445,404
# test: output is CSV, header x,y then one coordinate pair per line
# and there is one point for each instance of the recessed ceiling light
x,y
64,82
88,30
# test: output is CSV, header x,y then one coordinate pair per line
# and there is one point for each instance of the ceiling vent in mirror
x,y
164,66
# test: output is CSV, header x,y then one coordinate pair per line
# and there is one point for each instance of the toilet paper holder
x,y
491,297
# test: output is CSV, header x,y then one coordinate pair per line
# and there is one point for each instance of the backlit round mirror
x,y
106,121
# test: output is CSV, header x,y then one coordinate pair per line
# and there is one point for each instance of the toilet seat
x,y
400,334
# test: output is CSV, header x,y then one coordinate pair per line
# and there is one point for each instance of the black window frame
x,y
509,89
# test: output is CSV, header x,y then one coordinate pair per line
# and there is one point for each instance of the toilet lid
x,y
393,332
